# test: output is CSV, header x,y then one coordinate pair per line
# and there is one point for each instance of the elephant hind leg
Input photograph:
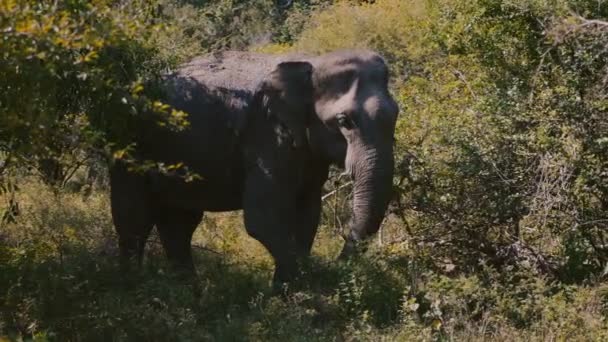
x,y
131,243
175,227
131,216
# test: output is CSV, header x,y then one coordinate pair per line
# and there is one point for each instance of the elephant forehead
x,y
360,94
370,103
346,82
342,98
348,57
339,64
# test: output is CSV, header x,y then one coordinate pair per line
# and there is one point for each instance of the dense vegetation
x,y
497,228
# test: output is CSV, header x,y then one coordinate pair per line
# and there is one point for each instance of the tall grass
x,y
59,280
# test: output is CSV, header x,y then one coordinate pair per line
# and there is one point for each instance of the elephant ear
x,y
288,92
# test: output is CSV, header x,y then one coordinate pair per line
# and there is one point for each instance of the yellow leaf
x,y
69,232
175,166
98,43
119,154
90,56
26,26
436,324
61,41
7,6
137,89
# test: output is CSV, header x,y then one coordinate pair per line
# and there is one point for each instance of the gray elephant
x,y
264,130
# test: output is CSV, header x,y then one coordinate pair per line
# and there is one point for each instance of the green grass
x,y
59,280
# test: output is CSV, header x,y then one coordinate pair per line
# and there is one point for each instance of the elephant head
x,y
356,117
351,123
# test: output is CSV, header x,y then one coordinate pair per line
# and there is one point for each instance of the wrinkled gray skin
x,y
263,131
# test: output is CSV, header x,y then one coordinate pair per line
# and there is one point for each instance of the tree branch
x,y
331,193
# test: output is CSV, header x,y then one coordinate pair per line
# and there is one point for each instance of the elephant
x,y
263,131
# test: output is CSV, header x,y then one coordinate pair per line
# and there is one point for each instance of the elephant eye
x,y
344,121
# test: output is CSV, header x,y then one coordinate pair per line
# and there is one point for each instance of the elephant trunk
x,y
372,174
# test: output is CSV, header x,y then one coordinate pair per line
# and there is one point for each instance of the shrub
x,y
500,139
496,230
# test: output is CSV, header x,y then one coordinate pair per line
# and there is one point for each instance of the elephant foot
x,y
352,248
280,289
186,276
348,250
197,288
284,275
183,272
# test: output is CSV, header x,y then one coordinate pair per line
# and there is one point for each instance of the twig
x,y
603,221
4,165
463,78
74,168
590,22
207,249
536,75
331,193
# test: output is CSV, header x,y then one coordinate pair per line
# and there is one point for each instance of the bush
x,y
500,139
59,279
496,230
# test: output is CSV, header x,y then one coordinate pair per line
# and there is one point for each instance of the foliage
x,y
79,75
205,26
72,79
215,25
497,229
58,282
501,134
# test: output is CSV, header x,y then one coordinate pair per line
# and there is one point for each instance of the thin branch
x,y
331,193
536,75
588,223
592,22
4,164
460,75
207,249
72,170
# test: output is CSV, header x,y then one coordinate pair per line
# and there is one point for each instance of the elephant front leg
x,y
309,213
308,206
269,214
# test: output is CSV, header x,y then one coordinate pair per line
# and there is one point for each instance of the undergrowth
x,y
496,231
59,280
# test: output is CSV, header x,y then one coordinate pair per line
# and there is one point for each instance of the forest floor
x,y
60,281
